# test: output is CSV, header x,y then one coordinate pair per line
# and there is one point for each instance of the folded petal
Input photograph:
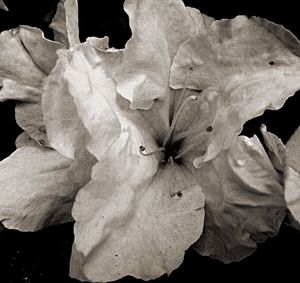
x,y
35,190
252,63
292,175
41,50
158,29
29,117
16,63
12,90
244,201
90,77
65,130
132,219
65,23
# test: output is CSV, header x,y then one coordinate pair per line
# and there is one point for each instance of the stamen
x,y
209,129
175,118
190,70
190,147
142,149
190,132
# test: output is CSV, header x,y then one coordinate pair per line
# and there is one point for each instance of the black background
x,y
43,256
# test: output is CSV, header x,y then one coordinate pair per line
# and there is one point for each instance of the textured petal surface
x,y
252,63
292,175
158,29
16,63
65,23
94,94
65,130
35,189
132,220
244,201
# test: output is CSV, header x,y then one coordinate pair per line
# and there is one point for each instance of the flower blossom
x,y
162,118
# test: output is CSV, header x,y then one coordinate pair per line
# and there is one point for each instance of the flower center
x,y
171,148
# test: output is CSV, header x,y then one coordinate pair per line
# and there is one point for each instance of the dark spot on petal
x,y
209,129
191,69
155,99
179,194
41,142
271,63
142,148
198,209
116,255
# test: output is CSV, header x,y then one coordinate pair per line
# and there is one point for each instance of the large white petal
x,y
132,219
244,201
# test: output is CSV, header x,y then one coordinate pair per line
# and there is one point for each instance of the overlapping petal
x,y
24,64
244,201
285,159
65,130
65,23
35,189
253,64
158,29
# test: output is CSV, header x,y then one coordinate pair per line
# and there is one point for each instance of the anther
x,y
209,129
142,149
41,142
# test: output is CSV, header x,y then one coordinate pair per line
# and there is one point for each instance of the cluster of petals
x,y
141,146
